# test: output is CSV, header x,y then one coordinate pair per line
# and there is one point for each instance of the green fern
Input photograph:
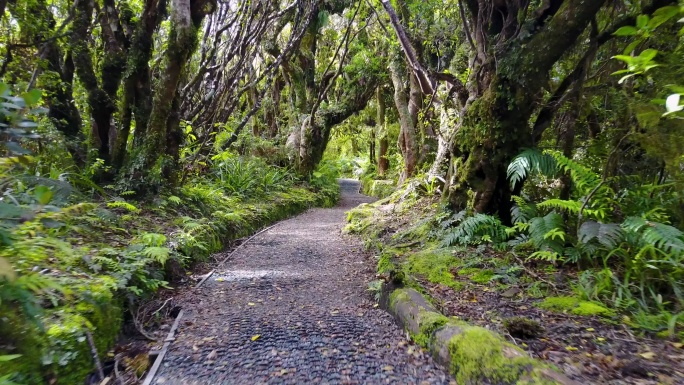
x,y
665,237
531,161
547,232
123,205
158,254
523,211
607,234
572,207
477,229
175,200
151,239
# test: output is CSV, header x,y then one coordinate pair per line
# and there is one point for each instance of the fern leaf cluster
x,y
477,229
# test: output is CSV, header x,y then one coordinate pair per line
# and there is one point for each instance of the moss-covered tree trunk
x,y
37,22
155,159
508,74
102,89
136,96
383,145
408,118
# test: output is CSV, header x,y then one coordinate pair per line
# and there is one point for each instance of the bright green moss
x,y
478,356
575,306
385,264
435,266
377,188
428,323
398,295
590,308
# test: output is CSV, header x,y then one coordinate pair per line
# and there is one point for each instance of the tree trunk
x,y
408,137
159,149
136,100
383,161
508,75
62,110
102,92
371,148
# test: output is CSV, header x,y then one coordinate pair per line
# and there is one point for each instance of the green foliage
x,y
474,230
529,161
249,177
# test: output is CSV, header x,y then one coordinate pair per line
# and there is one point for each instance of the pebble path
x,y
292,307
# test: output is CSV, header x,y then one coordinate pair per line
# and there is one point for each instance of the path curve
x,y
291,307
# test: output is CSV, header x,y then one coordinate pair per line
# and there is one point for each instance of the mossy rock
x,y
575,306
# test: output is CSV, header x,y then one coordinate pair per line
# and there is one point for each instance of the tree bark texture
x,y
383,145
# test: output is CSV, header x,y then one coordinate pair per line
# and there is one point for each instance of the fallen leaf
x,y
510,293
388,368
570,348
678,345
255,337
251,303
648,355
212,355
600,339
195,348
220,279
591,329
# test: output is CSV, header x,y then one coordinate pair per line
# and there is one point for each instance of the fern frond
x,y
123,205
152,239
475,229
159,254
522,211
659,235
545,255
572,207
541,227
529,161
583,178
607,234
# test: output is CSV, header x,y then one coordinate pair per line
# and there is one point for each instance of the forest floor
x,y
493,290
292,307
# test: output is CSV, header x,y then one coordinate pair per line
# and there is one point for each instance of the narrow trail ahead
x,y
291,307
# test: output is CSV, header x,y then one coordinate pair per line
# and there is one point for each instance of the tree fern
x,y
531,161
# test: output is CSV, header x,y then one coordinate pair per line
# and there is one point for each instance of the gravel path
x,y
291,307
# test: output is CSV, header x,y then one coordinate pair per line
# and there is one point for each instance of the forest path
x,y
292,307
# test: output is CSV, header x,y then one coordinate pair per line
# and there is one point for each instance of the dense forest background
x,y
137,133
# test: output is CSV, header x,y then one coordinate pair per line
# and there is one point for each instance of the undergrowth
x,y
70,267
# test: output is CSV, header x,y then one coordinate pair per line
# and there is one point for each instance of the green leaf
x,y
15,148
6,272
32,97
642,21
627,30
43,194
648,55
625,58
9,357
